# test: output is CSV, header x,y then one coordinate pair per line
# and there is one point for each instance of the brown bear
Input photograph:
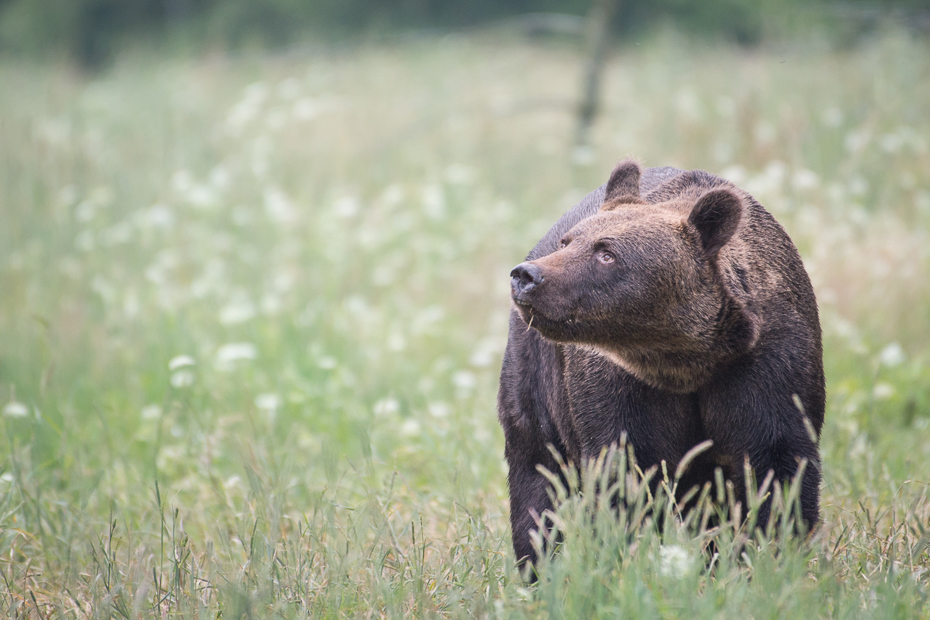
x,y
670,307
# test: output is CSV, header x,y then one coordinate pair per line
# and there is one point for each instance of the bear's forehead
x,y
637,220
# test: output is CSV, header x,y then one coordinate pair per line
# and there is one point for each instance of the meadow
x,y
252,311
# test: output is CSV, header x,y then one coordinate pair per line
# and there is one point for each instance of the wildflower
x,y
182,378
386,406
180,361
464,380
892,355
674,561
434,202
16,410
439,409
151,412
228,355
237,312
268,402
326,362
805,179
410,428
883,391
346,207
735,173
279,207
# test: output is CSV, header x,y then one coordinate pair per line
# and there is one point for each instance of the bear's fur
x,y
671,307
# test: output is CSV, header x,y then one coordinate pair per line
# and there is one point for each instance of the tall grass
x,y
252,312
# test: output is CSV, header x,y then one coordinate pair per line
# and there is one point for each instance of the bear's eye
x,y
606,257
562,244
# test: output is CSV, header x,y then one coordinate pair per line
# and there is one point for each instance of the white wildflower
x,y
158,215
464,380
151,412
386,406
674,561
735,173
182,378
268,402
858,185
228,355
891,142
883,391
85,211
219,177
279,207
326,362
434,202
346,207
202,196
805,179
180,361
396,341
16,409
439,409
855,141
892,355
237,312
410,428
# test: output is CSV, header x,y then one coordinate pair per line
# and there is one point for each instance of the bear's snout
x,y
523,279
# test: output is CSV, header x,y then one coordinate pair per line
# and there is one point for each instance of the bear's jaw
x,y
557,330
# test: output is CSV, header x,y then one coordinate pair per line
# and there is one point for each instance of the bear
x,y
666,309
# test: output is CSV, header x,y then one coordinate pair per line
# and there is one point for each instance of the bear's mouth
x,y
561,329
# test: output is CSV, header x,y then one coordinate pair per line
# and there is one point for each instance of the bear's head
x,y
641,284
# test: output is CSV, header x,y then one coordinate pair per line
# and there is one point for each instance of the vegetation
x,y
252,312
92,32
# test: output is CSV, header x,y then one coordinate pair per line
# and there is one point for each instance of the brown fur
x,y
673,316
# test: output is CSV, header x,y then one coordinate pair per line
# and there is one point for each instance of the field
x,y
252,311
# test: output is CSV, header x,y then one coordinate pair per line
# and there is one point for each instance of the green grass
x,y
326,239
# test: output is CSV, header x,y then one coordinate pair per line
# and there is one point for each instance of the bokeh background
x,y
254,263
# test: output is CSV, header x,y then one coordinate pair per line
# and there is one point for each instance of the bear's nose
x,y
524,278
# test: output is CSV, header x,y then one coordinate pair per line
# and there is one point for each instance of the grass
x,y
252,311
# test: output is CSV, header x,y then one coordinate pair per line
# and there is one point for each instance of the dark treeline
x,y
90,31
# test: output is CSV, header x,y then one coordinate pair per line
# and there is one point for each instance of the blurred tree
x,y
91,30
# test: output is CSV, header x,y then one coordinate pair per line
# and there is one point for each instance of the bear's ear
x,y
715,216
623,185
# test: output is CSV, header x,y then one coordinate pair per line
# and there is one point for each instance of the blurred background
x,y
254,263
93,33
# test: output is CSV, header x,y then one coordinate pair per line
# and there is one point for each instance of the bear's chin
x,y
562,331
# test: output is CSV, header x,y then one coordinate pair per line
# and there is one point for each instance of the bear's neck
x,y
675,371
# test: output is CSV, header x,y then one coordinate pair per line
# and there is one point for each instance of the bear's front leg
x,y
531,386
750,411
